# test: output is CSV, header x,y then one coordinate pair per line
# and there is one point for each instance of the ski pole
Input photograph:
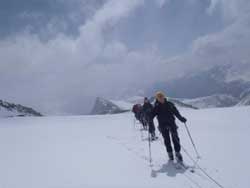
x,y
149,149
141,130
197,153
134,123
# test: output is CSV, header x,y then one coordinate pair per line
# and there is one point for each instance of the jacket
x,y
166,113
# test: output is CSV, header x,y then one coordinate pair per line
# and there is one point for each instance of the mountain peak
x,y
10,110
104,106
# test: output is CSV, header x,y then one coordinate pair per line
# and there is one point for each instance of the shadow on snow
x,y
169,169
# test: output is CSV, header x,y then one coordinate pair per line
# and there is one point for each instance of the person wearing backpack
x,y
139,115
148,109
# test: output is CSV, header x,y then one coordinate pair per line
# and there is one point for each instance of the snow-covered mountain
x,y
220,100
245,98
177,102
223,85
213,101
11,110
110,151
182,104
104,106
226,80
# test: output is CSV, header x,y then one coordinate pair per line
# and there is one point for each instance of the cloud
x,y
232,41
161,2
63,71
45,18
227,47
231,9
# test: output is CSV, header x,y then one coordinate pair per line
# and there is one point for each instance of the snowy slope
x,y
109,151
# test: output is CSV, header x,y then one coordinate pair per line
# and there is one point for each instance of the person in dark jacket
x,y
165,111
139,114
148,109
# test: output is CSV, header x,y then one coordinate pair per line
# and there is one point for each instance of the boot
x,y
179,157
170,156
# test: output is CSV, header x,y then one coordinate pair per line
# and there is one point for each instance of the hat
x,y
160,94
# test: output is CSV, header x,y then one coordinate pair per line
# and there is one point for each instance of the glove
x,y
183,120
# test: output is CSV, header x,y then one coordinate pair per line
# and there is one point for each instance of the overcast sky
x,y
56,55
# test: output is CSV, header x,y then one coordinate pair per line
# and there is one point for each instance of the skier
x,y
165,111
139,114
148,109
135,110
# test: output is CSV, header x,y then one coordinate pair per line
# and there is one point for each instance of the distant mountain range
x,y
225,80
105,106
213,101
223,85
14,110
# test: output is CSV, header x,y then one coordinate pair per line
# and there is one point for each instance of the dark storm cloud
x,y
45,17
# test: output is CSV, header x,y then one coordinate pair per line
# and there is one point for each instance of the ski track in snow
x,y
169,167
165,168
112,151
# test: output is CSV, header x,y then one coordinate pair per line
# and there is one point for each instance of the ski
x,y
181,165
